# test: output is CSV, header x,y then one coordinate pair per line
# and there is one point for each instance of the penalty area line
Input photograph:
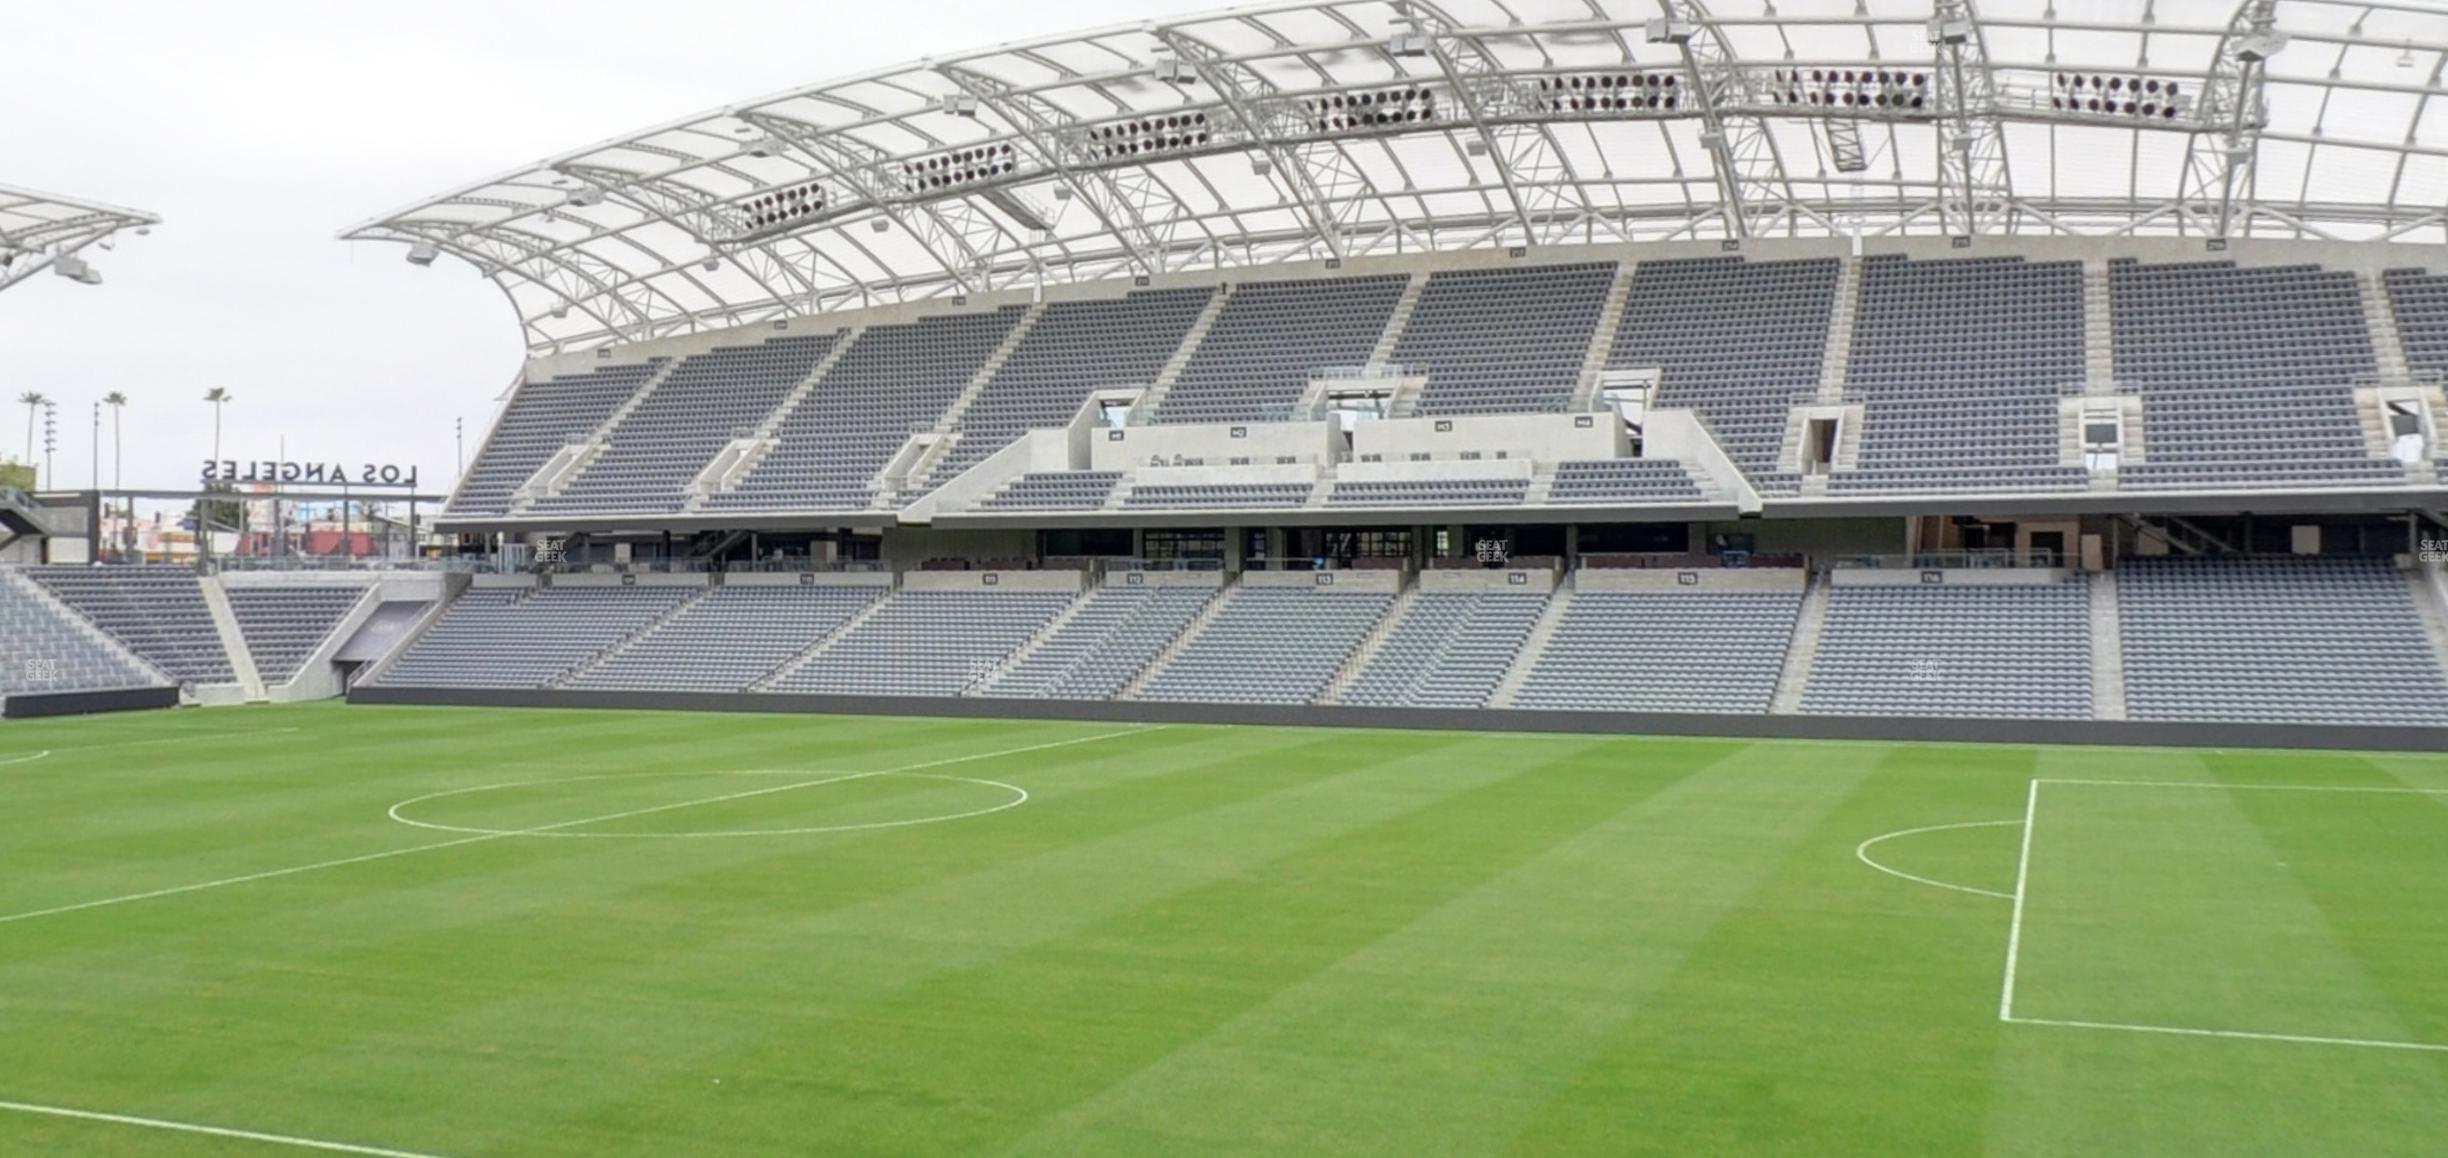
x,y
208,1131
2234,1034
1861,852
272,874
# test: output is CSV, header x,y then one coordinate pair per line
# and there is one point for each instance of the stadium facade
x,y
1978,370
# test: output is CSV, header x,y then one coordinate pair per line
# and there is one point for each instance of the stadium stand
x,y
1504,341
1075,348
893,381
1269,645
1643,651
2277,640
1104,644
43,651
1959,366
2246,374
1623,480
708,400
1448,650
1061,490
728,640
284,625
1739,342
1955,649
1472,492
1259,356
542,418
1218,495
159,613
526,638
925,643
2418,301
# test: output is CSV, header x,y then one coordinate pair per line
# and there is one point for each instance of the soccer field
x,y
468,932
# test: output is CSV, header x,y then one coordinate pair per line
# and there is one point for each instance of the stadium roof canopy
x,y
40,231
1356,127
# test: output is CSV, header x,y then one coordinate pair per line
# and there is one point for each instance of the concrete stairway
x,y
1838,354
1206,616
1366,653
1803,650
1535,645
1163,385
2099,330
2107,649
1400,320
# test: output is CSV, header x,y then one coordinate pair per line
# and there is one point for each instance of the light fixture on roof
x,y
1410,44
760,145
423,253
76,269
2405,56
1175,70
1666,30
878,225
960,104
712,263
2261,45
1261,165
587,195
1476,146
1950,32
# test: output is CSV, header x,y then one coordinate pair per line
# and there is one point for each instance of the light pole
x,y
33,401
118,404
50,439
219,397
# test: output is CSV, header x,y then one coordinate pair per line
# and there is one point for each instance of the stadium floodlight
x,y
423,253
712,263
960,104
2255,47
1175,70
587,196
1475,146
76,269
1663,30
879,225
1950,32
1261,165
759,146
1410,44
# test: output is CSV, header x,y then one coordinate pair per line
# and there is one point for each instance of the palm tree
x,y
219,397
34,402
116,401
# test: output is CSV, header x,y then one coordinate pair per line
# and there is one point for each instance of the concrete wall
x,y
1877,728
1209,579
808,578
1547,437
1965,577
1345,582
996,580
1130,447
1540,581
1704,579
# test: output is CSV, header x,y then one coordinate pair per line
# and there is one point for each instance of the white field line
x,y
2252,787
211,1131
1020,796
29,758
2014,930
368,858
1861,852
2183,1031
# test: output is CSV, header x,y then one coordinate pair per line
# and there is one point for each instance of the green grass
x,y
1197,940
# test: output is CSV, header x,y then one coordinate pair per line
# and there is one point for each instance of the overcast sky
x,y
258,129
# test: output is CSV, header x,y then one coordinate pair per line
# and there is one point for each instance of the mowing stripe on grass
x,y
343,862
211,1131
